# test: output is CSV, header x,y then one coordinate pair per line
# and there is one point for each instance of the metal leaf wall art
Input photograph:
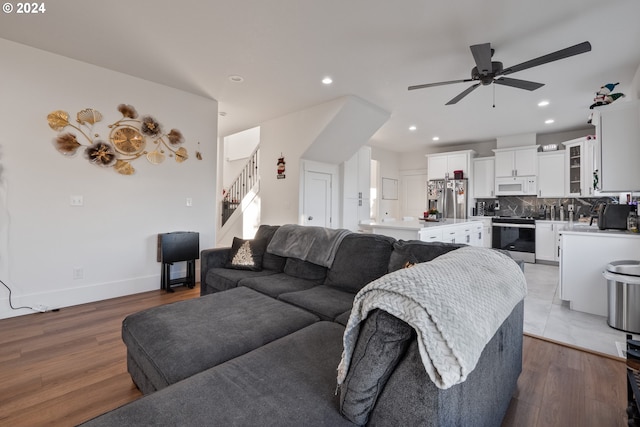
x,y
127,140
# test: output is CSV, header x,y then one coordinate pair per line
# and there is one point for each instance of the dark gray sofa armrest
x,y
212,258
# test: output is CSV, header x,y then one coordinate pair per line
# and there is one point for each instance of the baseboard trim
x,y
61,298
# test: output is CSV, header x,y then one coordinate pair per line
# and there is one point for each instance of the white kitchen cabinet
x,y
547,240
477,235
356,189
431,235
466,234
551,174
579,167
438,165
516,161
484,178
618,134
583,258
486,225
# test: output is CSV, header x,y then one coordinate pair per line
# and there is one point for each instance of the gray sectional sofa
x,y
262,344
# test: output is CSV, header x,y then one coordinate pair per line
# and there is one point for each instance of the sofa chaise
x,y
263,343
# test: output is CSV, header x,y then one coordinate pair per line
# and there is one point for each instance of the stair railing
x,y
245,181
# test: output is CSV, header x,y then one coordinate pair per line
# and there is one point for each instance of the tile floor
x,y
547,316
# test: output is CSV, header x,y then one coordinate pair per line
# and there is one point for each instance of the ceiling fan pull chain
x,y
494,96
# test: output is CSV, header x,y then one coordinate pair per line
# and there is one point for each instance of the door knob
x,y
310,218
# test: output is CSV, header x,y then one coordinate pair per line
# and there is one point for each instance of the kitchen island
x,y
447,230
585,252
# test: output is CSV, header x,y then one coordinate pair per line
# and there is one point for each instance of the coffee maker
x,y
481,208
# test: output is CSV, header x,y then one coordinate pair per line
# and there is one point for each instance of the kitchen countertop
x,y
416,224
585,228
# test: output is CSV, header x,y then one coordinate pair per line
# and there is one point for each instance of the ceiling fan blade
x,y
482,56
438,84
554,56
463,94
520,84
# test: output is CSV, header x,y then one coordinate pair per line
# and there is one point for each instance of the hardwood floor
x,y
563,386
62,368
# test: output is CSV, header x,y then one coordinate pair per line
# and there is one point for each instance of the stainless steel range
x,y
517,235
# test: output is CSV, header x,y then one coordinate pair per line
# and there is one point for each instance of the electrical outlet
x,y
76,200
78,273
189,201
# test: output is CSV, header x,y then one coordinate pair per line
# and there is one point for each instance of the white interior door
x,y
317,199
414,195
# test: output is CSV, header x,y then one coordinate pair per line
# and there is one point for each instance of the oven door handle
x,y
515,225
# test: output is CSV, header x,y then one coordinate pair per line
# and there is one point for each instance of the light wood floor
x,y
62,368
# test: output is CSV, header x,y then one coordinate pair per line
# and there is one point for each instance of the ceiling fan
x,y
487,71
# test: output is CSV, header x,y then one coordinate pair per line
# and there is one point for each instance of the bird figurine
x,y
604,97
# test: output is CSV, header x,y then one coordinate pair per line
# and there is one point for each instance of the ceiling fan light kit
x,y
487,71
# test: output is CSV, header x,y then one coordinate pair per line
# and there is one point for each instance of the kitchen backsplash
x,y
533,206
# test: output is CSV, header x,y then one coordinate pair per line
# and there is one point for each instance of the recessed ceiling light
x,y
543,103
436,138
549,121
412,128
327,80
236,79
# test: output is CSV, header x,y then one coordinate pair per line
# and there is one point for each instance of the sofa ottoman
x,y
203,333
288,382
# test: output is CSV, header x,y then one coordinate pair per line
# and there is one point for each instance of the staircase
x,y
245,181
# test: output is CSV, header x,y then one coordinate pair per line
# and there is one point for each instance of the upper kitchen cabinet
x,y
551,174
438,165
516,161
618,135
484,178
579,166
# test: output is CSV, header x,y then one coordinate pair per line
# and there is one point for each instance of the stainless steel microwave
x,y
516,185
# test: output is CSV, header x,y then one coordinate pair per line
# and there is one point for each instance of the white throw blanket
x,y
314,244
456,303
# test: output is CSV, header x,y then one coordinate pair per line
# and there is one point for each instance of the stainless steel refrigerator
x,y
449,197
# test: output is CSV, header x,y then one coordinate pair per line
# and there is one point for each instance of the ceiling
x,y
373,49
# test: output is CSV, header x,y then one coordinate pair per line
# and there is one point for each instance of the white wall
x,y
290,136
113,236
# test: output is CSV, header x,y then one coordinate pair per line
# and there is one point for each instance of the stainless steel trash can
x,y
623,295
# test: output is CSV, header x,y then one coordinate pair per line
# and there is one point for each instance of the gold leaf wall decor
x,y
89,115
155,157
127,139
123,167
58,120
181,155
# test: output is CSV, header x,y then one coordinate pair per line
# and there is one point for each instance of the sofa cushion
x,y
246,254
220,279
416,251
305,270
276,284
270,261
343,318
382,342
360,259
288,382
172,342
324,301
